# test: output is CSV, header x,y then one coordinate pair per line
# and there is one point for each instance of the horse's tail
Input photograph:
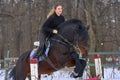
x,y
12,73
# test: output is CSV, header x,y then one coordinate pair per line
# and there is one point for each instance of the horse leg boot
x,y
79,66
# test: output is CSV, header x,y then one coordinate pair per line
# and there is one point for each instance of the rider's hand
x,y
55,31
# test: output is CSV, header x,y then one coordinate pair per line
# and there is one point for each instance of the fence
x,y
108,59
8,62
110,64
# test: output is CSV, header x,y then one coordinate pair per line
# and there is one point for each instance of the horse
x,y
72,36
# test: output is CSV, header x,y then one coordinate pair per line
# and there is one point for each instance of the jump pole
x,y
34,69
98,66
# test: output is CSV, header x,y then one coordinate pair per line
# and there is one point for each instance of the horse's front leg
x,y
79,65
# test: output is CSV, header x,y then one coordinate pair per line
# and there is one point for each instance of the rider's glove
x,y
55,31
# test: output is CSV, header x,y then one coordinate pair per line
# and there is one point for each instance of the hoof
x,y
74,75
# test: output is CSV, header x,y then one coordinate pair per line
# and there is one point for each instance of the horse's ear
x,y
88,27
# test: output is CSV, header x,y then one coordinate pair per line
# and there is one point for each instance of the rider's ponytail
x,y
51,12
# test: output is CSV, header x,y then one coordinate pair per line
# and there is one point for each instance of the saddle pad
x,y
41,58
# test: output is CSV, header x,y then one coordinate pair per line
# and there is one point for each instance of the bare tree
x,y
20,21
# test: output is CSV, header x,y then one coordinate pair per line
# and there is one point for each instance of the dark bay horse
x,y
72,36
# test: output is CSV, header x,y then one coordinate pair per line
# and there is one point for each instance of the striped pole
x,y
93,78
34,69
98,66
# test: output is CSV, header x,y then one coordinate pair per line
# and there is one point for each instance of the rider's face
x,y
58,10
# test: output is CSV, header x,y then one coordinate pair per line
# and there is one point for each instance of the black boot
x,y
36,54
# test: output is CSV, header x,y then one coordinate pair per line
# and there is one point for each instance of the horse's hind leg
x,y
21,75
39,78
21,71
29,77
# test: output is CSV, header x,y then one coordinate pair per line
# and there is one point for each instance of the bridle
x,y
64,41
75,47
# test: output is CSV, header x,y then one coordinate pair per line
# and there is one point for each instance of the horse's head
x,y
75,32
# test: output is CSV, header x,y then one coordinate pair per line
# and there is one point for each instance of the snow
x,y
59,75
16,1
109,74
113,20
2,74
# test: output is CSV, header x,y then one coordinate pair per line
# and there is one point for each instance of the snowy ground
x,y
59,75
109,74
2,74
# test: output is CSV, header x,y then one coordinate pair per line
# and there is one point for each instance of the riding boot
x,y
36,53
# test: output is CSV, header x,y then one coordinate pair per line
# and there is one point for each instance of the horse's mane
x,y
72,22
68,29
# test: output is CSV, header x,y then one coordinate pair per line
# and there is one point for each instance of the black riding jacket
x,y
51,23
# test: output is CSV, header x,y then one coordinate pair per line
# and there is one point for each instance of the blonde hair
x,y
52,11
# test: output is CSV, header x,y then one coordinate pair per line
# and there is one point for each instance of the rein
x,y
75,47
66,42
52,64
